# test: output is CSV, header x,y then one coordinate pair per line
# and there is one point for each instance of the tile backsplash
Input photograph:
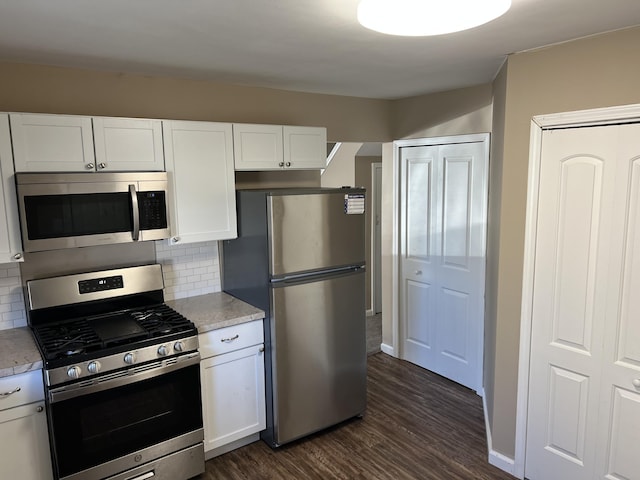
x,y
188,270
12,313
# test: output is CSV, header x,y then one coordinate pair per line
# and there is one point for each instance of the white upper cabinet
x,y
199,159
305,147
128,144
50,143
277,147
72,143
10,243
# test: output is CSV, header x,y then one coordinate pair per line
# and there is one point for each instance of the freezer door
x,y
312,231
318,354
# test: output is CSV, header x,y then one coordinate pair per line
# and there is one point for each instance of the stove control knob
x,y
129,358
74,372
178,346
163,351
94,367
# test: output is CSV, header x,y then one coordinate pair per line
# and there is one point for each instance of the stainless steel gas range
x,y
122,376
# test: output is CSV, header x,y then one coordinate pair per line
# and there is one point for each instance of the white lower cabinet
x,y
233,387
24,439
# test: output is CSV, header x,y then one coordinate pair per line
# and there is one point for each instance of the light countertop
x,y
215,310
19,353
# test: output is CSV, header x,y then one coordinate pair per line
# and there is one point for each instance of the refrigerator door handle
x,y
296,277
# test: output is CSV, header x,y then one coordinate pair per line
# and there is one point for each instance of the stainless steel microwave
x,y
65,210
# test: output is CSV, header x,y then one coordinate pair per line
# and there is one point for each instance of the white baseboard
x,y
388,349
497,459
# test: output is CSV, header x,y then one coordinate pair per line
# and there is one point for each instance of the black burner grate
x,y
92,335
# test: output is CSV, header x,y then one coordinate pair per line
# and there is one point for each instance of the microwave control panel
x,y
153,210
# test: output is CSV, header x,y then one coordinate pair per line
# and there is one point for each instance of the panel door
x,y
52,143
584,408
233,396
128,144
305,147
443,218
258,147
24,443
200,163
618,431
10,243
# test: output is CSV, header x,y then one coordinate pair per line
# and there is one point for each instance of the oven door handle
x,y
124,377
136,213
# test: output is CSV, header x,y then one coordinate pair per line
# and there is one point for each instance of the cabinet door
x,y
233,397
10,244
24,443
258,147
52,143
128,144
199,159
305,147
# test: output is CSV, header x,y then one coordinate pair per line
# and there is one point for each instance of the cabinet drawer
x,y
26,387
228,339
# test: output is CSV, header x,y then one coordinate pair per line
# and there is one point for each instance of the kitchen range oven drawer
x,y
21,389
229,339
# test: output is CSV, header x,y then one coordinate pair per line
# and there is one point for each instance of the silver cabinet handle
x,y
281,164
11,392
261,349
288,164
17,256
418,272
636,383
40,409
102,165
175,239
90,166
227,340
136,214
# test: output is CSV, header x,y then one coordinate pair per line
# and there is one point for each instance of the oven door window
x,y
92,429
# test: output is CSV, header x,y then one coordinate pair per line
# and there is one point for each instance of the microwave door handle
x,y
136,213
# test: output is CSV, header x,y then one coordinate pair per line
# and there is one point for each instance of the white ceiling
x,y
304,45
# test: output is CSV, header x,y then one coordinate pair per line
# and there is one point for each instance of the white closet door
x,y
443,229
584,411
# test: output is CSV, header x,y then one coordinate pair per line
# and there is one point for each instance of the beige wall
x,y
593,72
465,110
36,88
341,171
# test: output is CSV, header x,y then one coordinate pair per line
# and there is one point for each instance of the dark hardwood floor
x,y
418,425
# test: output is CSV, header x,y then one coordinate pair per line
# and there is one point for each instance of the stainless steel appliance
x,y
122,376
64,210
299,256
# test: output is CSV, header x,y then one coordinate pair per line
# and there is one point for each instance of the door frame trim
x,y
539,123
395,349
376,193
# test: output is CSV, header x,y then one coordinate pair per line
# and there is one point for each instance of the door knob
x,y
636,383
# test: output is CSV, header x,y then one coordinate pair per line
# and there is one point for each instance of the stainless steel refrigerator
x,y
300,257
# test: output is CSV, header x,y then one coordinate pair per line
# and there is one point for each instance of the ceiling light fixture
x,y
416,18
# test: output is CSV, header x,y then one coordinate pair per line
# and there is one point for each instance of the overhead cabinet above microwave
x,y
74,143
277,147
